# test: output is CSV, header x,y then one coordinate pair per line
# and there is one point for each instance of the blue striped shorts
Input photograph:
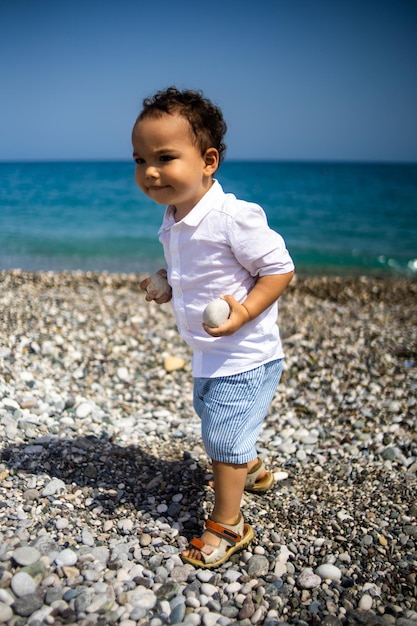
x,y
232,409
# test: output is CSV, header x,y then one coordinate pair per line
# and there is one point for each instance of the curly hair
x,y
205,118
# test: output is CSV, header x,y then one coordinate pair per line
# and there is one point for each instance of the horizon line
x,y
232,160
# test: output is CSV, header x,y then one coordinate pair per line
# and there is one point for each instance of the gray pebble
x,y
258,565
180,573
6,613
54,486
308,579
27,604
66,557
210,619
178,613
26,555
22,584
329,571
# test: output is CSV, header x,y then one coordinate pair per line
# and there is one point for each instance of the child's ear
x,y
211,158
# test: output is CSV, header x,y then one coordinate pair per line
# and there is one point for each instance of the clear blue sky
x,y
297,79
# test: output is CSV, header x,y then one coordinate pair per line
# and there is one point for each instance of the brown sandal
x,y
232,538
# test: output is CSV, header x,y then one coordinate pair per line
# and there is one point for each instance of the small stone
x,y
125,525
82,601
41,616
216,313
26,555
53,594
53,487
178,613
365,603
144,598
145,540
173,363
70,571
248,608
6,613
280,569
180,573
258,565
169,590
230,611
328,571
84,409
158,286
410,530
123,374
61,523
232,575
308,579
22,584
208,590
45,544
101,553
31,494
367,540
87,538
211,619
66,557
91,471
27,604
36,569
389,454
280,476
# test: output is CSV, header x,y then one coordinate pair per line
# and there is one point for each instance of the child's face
x,y
170,168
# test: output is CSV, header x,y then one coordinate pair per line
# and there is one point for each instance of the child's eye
x,y
139,161
166,157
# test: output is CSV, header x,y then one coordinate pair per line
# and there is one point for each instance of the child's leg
x,y
230,481
232,409
261,475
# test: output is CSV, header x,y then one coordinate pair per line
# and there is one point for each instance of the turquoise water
x,y
336,218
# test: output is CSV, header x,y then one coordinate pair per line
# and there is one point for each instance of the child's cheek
x,y
138,179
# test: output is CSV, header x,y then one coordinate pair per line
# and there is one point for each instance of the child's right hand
x,y
157,287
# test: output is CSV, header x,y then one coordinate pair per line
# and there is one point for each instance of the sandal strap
x,y
223,531
252,476
197,543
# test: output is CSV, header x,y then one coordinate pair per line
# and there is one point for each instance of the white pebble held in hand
x,y
216,313
158,286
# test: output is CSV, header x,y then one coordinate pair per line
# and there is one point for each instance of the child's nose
x,y
151,172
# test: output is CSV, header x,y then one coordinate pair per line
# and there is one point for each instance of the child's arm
x,y
265,292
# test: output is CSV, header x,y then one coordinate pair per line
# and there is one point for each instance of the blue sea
x,y
336,218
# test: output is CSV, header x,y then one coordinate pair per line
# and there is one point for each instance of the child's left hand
x,y
237,318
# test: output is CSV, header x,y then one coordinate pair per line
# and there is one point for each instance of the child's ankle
x,y
227,521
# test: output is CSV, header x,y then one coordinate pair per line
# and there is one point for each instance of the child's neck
x,y
181,212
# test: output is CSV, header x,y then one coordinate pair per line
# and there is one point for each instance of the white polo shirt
x,y
220,248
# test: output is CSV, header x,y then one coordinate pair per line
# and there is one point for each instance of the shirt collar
x,y
194,217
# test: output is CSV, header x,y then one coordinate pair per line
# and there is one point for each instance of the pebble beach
x,y
103,477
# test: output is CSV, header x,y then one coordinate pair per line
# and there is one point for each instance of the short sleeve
x,y
257,247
